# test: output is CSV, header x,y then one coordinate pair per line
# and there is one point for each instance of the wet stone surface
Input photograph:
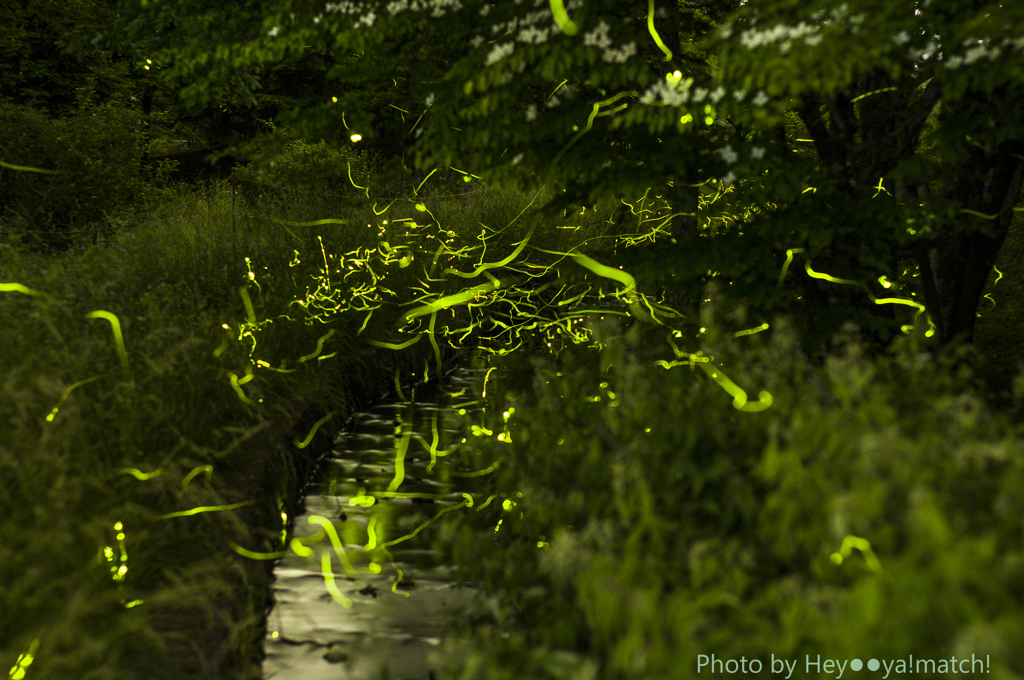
x,y
353,620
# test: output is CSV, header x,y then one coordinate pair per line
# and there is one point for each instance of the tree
x,y
879,140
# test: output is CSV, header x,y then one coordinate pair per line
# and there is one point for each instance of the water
x,y
313,633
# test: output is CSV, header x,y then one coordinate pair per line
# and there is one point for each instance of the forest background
x,y
847,172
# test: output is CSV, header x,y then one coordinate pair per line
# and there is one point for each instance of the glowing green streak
x,y
319,347
1000,275
411,494
299,547
486,376
590,122
317,223
18,288
467,503
332,587
335,541
115,327
208,469
205,508
978,214
391,345
139,474
50,416
398,387
236,385
371,534
562,18
451,300
654,33
401,448
861,544
25,168
739,397
868,94
479,473
256,555
608,272
501,263
433,343
250,315
26,658
762,327
316,426
789,259
487,502
826,277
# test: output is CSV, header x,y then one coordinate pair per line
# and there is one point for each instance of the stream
x,y
354,621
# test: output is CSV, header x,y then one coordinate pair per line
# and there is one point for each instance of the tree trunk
x,y
955,266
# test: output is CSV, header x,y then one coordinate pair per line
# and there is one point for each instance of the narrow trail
x,y
368,621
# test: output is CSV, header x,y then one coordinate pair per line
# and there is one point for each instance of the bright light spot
x,y
275,634
334,99
356,137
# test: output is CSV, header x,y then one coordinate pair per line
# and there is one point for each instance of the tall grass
x,y
80,421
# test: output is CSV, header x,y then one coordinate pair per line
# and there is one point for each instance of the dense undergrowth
x,y
640,521
136,374
656,521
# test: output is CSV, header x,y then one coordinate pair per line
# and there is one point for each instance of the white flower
x,y
620,55
397,6
367,19
729,179
813,40
553,102
531,113
519,157
717,94
954,62
499,52
274,32
532,35
598,37
727,154
476,41
901,37
739,94
761,99
757,152
430,99
698,94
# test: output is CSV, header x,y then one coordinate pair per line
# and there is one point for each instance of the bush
x,y
302,167
95,157
639,520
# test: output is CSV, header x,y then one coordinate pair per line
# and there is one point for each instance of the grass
x,y
180,399
79,416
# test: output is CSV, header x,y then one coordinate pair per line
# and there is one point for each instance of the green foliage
x,y
315,168
209,374
56,57
610,100
92,163
640,520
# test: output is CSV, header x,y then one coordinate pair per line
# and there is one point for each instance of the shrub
x,y
95,155
303,167
639,520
